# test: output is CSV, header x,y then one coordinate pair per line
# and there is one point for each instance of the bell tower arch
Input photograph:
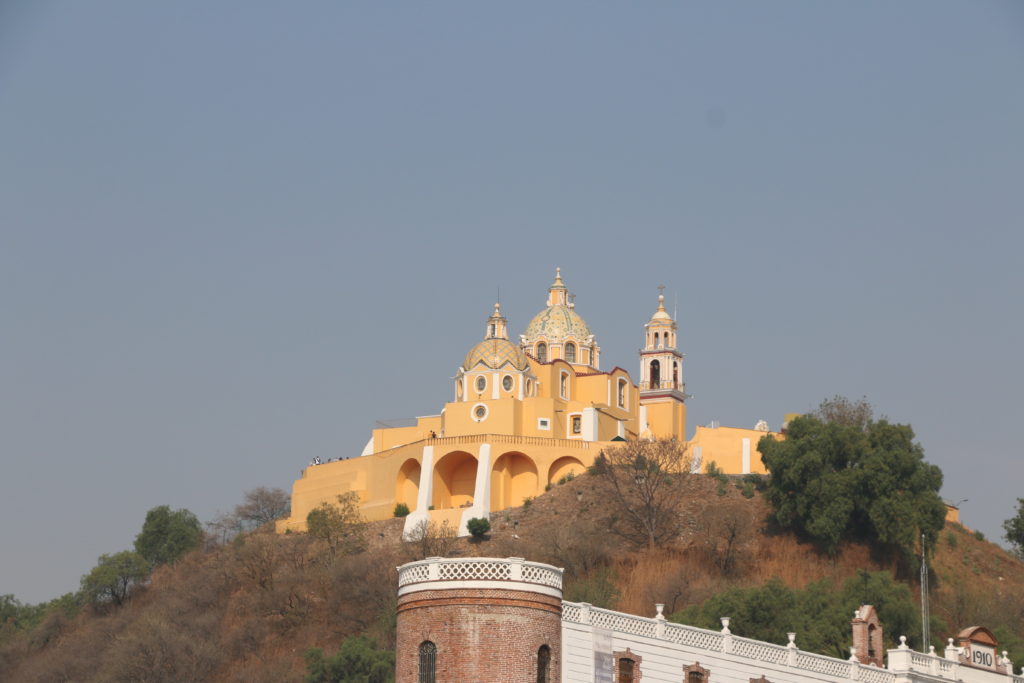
x,y
662,390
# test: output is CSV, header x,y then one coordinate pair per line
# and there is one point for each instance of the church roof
x,y
556,323
494,353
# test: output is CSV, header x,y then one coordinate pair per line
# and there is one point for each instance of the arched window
x,y
655,374
627,667
627,671
563,385
506,382
481,383
428,662
675,374
655,339
622,393
570,352
542,352
544,664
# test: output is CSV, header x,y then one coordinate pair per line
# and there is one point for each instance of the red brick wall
x,y
482,635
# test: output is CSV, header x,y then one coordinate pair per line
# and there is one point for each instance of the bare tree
x,y
842,410
645,482
263,505
727,530
431,539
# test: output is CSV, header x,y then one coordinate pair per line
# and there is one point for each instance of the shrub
x,y
358,659
980,536
401,510
478,527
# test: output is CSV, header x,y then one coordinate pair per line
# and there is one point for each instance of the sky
x,y
234,236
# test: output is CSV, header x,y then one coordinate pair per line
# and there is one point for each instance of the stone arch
x,y
454,480
513,478
407,484
563,466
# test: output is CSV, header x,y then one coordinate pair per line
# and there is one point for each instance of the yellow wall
x,y
520,467
667,418
724,447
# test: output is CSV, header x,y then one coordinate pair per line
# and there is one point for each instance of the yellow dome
x,y
556,323
494,353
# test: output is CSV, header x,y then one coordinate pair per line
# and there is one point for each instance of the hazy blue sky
x,y
234,235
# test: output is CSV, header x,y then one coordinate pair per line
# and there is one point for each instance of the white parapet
x,y
450,573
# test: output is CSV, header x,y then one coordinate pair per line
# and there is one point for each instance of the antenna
x,y
925,612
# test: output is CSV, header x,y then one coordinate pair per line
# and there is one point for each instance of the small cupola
x,y
497,325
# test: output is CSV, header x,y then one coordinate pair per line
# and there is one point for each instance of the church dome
x,y
494,353
556,323
559,320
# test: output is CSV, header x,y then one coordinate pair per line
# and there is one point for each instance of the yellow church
x,y
524,415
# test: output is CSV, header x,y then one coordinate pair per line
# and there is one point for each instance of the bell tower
x,y
662,390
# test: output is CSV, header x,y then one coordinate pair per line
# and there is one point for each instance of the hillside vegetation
x,y
249,608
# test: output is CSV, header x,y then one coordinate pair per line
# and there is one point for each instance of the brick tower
x,y
478,619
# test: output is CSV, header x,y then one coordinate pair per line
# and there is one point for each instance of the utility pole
x,y
925,612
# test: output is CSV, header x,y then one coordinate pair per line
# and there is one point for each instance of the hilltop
x,y
248,609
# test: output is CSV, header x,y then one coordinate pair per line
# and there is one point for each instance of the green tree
x,y
840,479
357,661
340,526
893,601
114,576
1014,530
818,613
645,484
167,535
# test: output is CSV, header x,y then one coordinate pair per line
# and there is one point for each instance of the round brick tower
x,y
479,620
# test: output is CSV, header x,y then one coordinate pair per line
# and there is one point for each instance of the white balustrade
x,y
512,569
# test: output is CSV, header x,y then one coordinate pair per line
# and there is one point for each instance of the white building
x,y
453,613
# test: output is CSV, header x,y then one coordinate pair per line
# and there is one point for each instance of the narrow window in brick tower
x,y
626,670
544,664
428,662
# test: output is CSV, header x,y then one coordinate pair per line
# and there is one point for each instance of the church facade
x,y
524,414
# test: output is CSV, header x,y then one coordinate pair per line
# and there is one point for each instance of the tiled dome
x,y
494,353
556,323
